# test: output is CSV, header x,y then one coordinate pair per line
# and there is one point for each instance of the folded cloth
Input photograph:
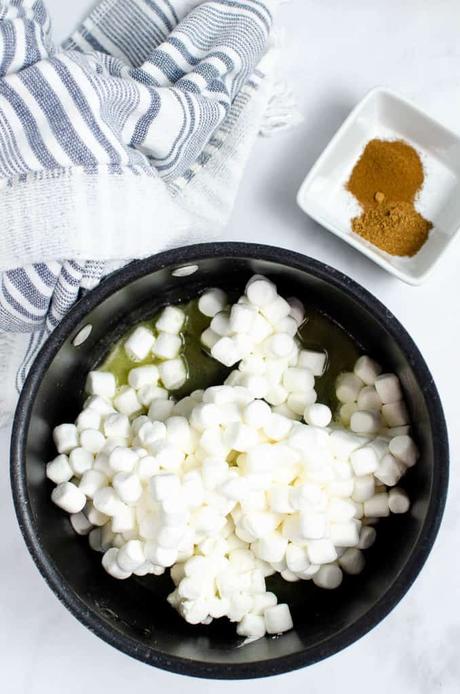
x,y
130,138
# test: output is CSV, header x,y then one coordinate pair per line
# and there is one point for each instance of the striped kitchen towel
x,y
130,138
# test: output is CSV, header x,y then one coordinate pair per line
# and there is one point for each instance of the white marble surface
x,y
336,51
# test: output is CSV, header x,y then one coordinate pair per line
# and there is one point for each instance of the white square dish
x,y
385,115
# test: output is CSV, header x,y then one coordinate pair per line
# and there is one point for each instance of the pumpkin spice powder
x,y
386,181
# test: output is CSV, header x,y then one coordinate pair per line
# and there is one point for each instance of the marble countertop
x,y
336,52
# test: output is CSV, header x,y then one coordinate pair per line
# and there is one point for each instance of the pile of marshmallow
x,y
240,481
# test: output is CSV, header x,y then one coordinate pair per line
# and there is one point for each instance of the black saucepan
x,y
133,615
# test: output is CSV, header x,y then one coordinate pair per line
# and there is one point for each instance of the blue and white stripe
x,y
141,86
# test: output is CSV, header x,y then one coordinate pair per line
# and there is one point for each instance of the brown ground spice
x,y
395,227
386,181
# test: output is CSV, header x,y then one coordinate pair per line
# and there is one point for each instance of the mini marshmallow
x,y
277,427
297,310
126,401
173,373
171,320
169,456
321,551
276,311
88,419
261,293
242,318
80,524
364,461
220,324
377,506
101,462
390,470
99,404
128,487
160,556
144,376
131,556
318,415
369,399
107,501
80,461
122,459
101,383
281,345
367,537
398,500
297,558
262,601
139,344
257,386
68,497
94,516
362,422
226,352
313,525
150,432
147,394
92,441
164,486
261,329
206,416
252,626
295,380
278,619
110,564
271,548
278,499
348,388
395,414
299,401
257,414
277,395
340,511
352,561
160,410
167,346
344,534
260,524
367,370
240,437
389,388
147,467
124,520
363,488
404,449
117,426
289,326
91,482
179,432
343,443
209,338
328,577
212,302
65,438
315,362
59,470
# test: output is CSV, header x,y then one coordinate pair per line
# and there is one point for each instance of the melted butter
x,y
319,333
